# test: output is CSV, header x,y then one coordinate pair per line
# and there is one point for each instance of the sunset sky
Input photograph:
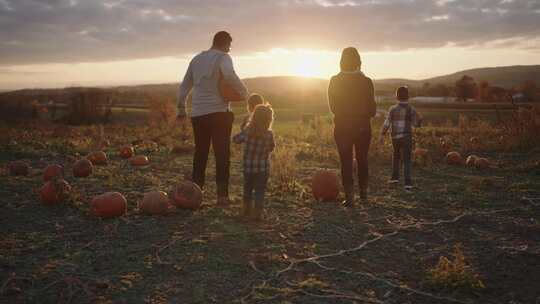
x,y
46,43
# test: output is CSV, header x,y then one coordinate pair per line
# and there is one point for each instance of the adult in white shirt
x,y
211,116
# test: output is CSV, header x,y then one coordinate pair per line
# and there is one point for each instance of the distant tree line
x,y
468,89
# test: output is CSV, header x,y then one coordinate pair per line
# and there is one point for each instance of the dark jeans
x,y
215,129
255,182
402,153
349,137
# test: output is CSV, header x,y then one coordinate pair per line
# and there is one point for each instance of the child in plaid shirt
x,y
401,118
258,142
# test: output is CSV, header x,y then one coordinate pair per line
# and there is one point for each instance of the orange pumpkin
x,y
54,192
82,168
186,195
470,160
108,205
126,152
53,172
18,168
420,153
139,160
445,147
453,158
98,158
154,203
481,163
325,186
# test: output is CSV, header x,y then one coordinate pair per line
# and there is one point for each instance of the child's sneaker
x,y
408,187
393,181
257,214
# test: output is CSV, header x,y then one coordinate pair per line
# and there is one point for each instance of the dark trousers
x,y
402,154
255,185
215,129
348,138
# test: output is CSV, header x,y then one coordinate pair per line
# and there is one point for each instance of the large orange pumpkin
x,y
139,160
154,203
470,160
54,192
53,172
481,163
82,168
453,158
325,186
18,167
126,151
186,195
109,204
98,158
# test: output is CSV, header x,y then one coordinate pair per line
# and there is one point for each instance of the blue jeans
x,y
402,154
255,183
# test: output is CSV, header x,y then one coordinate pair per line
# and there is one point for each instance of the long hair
x,y
350,60
260,121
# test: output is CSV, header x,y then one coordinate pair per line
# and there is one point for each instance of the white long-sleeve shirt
x,y
202,76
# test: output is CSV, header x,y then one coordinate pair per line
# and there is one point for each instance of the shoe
x,y
349,199
346,203
257,214
223,201
393,181
363,194
408,188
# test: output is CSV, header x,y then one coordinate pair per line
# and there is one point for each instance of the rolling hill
x,y
290,87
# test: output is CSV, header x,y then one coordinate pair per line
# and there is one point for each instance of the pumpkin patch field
x,y
107,214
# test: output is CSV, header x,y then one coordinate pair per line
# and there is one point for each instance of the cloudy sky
x,y
99,42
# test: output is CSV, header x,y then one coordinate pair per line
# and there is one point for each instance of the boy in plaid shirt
x,y
400,119
258,142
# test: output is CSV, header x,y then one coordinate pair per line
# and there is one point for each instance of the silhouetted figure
x,y
351,100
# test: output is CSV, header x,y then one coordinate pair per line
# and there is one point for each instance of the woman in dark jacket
x,y
351,100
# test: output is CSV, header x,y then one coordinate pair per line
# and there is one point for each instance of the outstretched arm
x,y
227,69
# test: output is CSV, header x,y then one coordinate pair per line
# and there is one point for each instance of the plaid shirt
x,y
256,151
401,118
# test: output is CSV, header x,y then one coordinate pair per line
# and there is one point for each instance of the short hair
x,y
402,93
350,59
255,100
221,38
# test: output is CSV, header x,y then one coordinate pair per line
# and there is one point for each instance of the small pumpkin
x,y
54,192
421,153
445,147
154,203
108,205
126,152
453,158
325,185
82,168
186,195
139,160
53,172
481,163
98,158
471,160
18,168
